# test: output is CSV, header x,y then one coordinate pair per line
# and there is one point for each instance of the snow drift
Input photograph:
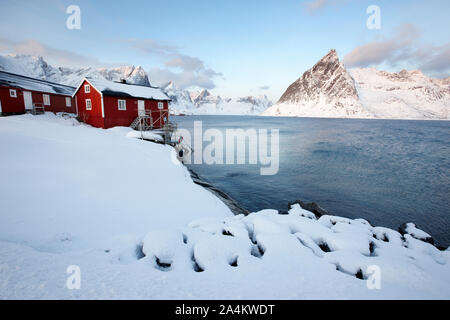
x,y
129,215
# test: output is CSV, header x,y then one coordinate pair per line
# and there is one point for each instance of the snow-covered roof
x,y
118,89
27,83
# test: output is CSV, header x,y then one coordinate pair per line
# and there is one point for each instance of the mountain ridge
x,y
328,89
183,101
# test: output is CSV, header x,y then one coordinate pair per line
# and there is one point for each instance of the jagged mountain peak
x,y
327,80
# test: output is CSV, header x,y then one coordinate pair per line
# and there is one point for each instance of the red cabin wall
x,y
9,104
94,116
57,102
17,105
115,117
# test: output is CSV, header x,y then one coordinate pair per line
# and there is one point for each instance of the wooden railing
x,y
38,108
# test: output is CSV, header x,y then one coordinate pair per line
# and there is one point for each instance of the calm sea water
x,y
385,171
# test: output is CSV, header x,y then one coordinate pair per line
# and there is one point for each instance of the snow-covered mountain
x,y
329,90
204,102
37,67
183,101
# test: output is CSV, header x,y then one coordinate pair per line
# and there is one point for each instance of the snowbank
x,y
138,227
95,185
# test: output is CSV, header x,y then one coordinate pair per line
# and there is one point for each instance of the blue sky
x,y
235,48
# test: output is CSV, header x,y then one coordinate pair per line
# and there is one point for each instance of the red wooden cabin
x,y
106,104
19,94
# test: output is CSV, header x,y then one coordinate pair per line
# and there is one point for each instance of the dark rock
x,y
359,275
324,247
312,207
402,230
227,233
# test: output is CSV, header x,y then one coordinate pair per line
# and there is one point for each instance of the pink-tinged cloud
x,y
402,49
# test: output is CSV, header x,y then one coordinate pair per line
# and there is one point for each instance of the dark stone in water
x,y
312,207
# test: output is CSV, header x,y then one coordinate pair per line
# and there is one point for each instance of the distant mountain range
x,y
329,90
37,67
183,101
203,102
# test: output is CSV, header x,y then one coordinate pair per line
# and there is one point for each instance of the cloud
x,y
264,88
435,60
183,79
402,49
315,5
377,52
53,56
151,46
184,70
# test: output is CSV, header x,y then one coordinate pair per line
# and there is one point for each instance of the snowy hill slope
x,y
402,95
89,204
37,67
329,90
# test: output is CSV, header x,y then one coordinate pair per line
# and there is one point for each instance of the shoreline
x,y
225,198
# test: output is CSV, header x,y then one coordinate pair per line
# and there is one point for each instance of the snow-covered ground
x,y
131,218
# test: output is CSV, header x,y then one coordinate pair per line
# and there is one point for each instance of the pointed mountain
x,y
325,89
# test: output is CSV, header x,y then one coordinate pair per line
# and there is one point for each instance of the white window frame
x,y
87,88
160,105
12,93
68,102
46,99
88,104
122,108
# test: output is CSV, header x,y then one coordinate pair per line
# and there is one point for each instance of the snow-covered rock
x,y
329,90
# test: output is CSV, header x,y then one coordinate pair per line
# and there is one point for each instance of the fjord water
x,y
385,171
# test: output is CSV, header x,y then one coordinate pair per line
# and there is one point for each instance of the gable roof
x,y
27,83
125,90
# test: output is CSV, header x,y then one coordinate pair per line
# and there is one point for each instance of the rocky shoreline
x,y
407,228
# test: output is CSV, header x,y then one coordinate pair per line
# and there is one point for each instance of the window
x,y
122,104
88,104
160,105
12,93
68,102
46,99
87,88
